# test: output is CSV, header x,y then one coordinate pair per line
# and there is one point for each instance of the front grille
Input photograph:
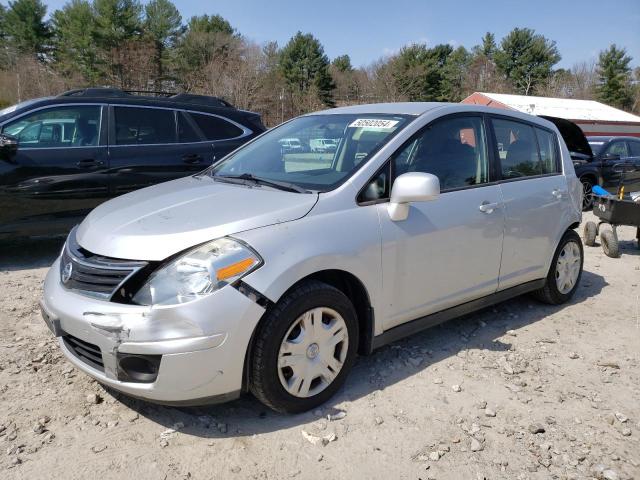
x,y
93,275
85,351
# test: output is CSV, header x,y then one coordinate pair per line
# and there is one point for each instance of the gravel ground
x,y
519,391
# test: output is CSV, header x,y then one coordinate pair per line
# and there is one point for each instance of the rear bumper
x,y
202,344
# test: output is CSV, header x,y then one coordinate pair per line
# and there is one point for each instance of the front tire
x,y
565,271
587,194
304,348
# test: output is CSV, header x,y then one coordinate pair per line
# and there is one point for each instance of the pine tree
x,y
614,78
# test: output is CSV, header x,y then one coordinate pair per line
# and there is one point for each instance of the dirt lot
x,y
520,391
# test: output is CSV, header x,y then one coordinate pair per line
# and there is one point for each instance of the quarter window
x,y
73,126
216,128
453,149
548,151
144,126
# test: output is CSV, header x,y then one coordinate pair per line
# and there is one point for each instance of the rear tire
x,y
590,233
565,272
288,349
610,245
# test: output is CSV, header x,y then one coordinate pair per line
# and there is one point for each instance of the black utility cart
x,y
613,211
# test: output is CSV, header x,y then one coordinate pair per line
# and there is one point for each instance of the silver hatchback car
x,y
271,270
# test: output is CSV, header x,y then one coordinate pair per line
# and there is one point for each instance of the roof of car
x,y
606,138
399,108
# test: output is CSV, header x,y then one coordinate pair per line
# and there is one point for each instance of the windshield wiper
x,y
247,177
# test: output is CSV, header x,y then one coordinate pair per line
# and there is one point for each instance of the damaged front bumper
x,y
199,346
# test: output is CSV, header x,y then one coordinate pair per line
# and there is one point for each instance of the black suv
x,y
62,156
594,159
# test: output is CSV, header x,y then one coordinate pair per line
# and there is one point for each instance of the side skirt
x,y
415,326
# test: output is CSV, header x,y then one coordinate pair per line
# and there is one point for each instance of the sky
x,y
370,29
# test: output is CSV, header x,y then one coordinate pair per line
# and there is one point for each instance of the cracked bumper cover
x,y
202,343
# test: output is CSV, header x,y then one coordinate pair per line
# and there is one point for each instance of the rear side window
x,y
634,148
186,132
216,128
548,151
144,126
518,150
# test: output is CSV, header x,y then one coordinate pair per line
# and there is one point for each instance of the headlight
x,y
198,273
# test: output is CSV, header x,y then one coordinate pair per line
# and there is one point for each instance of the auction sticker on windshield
x,y
373,123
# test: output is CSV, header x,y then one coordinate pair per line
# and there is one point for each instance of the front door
x,y
59,172
447,251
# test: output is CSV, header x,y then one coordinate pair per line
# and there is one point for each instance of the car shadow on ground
x,y
24,254
484,330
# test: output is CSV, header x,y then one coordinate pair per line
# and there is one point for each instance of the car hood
x,y
157,222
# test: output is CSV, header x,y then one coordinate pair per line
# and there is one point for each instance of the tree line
x,y
125,44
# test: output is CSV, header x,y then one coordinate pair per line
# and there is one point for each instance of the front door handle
x,y
192,158
558,194
487,207
89,163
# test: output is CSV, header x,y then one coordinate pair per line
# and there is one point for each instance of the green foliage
x,y
3,14
419,72
116,21
210,24
74,40
162,22
488,48
206,37
305,66
342,63
25,28
454,74
526,59
614,78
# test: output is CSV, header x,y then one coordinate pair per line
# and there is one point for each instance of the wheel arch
x,y
353,288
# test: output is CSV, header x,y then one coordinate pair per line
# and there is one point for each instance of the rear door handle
x,y
487,207
192,158
89,163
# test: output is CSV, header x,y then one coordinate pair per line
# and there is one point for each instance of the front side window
x,y
144,126
616,149
72,126
216,128
453,149
288,153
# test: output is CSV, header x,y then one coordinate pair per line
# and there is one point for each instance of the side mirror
x,y
611,157
8,146
411,187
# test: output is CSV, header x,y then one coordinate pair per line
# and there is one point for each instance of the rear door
x,y
632,180
60,170
534,192
146,147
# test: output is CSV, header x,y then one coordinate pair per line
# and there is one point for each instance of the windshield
x,y
596,147
307,166
13,108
